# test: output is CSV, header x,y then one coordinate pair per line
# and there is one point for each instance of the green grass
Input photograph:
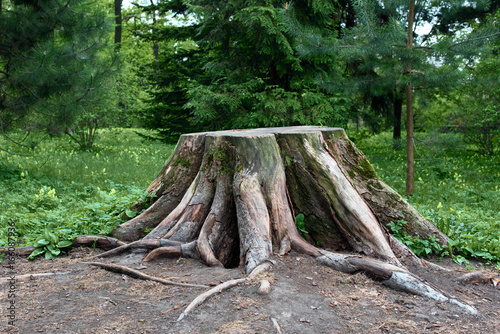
x,y
457,189
77,192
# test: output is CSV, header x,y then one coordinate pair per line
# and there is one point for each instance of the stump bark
x,y
230,198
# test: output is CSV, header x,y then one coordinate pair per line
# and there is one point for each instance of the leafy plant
x,y
300,223
49,244
421,247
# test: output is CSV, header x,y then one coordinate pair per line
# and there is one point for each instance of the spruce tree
x,y
240,69
173,64
256,77
54,63
393,58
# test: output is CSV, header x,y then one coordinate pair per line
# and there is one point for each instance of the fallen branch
x,y
221,287
137,274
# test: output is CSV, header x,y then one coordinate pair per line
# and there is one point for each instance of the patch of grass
x,y
457,189
76,192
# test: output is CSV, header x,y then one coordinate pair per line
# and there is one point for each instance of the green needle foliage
x,y
256,77
386,56
54,63
233,65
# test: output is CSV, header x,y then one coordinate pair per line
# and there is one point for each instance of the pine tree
x,y
54,63
383,44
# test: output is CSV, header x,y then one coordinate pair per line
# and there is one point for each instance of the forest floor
x,y
306,298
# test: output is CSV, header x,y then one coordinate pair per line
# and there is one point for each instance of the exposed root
x,y
392,276
277,326
97,241
221,287
264,288
164,252
144,244
434,266
19,251
83,240
137,274
477,277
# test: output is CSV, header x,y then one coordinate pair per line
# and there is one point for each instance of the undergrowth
x,y
56,186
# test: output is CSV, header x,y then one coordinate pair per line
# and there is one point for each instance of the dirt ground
x,y
306,298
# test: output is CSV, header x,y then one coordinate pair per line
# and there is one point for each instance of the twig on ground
x,y
137,274
277,326
221,287
174,308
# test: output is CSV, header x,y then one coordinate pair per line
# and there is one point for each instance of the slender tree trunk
x,y
398,111
155,44
118,23
409,108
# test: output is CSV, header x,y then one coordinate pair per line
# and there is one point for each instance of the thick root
x,y
97,241
392,276
140,244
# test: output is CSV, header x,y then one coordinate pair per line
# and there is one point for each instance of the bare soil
x,y
305,298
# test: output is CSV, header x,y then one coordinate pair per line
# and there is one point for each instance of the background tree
x,y
232,65
170,60
55,64
118,22
477,117
391,57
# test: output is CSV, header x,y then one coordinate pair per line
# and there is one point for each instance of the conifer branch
x,y
368,19
318,45
475,39
41,63
297,29
20,143
34,95
75,12
92,45
89,89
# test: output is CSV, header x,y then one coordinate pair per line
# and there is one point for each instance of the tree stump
x,y
230,198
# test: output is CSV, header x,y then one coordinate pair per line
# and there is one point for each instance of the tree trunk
x,y
118,23
398,111
230,198
409,108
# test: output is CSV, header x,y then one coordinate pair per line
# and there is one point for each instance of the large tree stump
x,y
230,198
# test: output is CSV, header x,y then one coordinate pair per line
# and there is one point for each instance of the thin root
x,y
221,287
137,274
